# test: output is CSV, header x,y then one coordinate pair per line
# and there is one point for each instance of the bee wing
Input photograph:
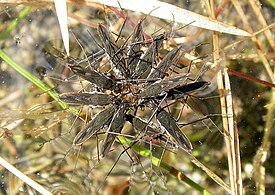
x,y
94,99
165,63
99,121
168,123
115,127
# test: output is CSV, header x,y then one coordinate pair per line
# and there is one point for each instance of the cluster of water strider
x,y
135,80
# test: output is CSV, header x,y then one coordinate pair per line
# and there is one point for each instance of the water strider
x,y
152,132
98,122
96,78
115,53
163,66
181,91
114,129
160,87
91,99
135,52
147,60
169,124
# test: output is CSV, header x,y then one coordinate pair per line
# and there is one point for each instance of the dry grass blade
x,y
216,178
234,141
10,98
222,90
264,149
24,178
61,11
161,10
173,13
228,122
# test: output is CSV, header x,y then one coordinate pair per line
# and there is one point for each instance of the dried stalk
x,y
229,124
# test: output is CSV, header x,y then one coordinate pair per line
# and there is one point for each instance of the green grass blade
x,y
35,81
15,22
